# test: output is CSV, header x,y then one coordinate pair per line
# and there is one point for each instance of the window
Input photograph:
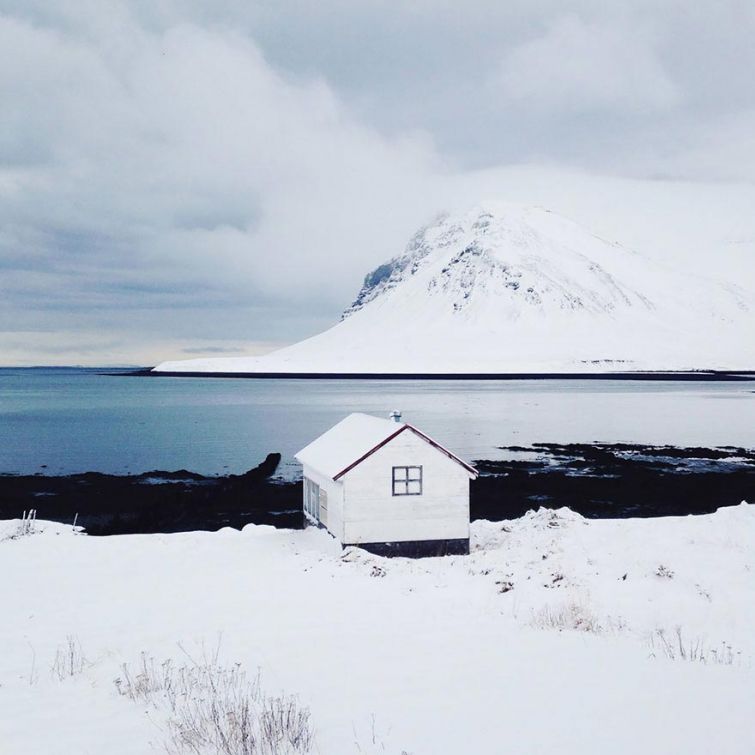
x,y
407,480
312,498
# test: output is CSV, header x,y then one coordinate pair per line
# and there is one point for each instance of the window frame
x,y
312,499
406,480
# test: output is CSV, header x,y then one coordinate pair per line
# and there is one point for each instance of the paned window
x,y
407,480
312,498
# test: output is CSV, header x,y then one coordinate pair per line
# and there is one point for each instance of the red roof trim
x,y
448,453
401,429
371,451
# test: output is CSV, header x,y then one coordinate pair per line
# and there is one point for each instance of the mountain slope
x,y
507,288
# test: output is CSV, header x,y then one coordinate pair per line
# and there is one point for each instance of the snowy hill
x,y
508,288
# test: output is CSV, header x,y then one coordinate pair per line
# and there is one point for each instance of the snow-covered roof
x,y
355,438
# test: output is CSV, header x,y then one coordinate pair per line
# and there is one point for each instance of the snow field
x,y
538,642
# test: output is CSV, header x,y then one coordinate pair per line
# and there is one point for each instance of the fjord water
x,y
60,421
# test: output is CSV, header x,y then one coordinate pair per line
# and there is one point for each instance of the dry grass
x,y
676,647
574,617
216,709
26,527
69,659
371,742
568,616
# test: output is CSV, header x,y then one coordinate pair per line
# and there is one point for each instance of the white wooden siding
x,y
372,514
331,498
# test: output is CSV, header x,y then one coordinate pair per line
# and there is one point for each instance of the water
x,y
75,420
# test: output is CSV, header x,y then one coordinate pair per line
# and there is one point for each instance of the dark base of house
x,y
418,548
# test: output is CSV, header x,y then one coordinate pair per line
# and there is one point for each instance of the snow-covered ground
x,y
507,288
544,640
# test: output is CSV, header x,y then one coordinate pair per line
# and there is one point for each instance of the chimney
x,y
395,415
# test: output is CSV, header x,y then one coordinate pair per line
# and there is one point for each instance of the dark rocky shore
x,y
156,501
595,480
607,481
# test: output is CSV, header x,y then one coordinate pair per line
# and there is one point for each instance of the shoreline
x,y
640,375
598,481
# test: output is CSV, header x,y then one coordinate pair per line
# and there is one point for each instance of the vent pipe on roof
x,y
395,415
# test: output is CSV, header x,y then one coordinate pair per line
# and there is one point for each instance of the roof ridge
x,y
355,438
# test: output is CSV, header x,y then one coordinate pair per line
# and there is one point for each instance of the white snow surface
x,y
445,655
347,441
511,288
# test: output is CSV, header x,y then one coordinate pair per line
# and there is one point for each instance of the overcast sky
x,y
187,178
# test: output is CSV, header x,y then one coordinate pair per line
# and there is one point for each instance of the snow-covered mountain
x,y
507,288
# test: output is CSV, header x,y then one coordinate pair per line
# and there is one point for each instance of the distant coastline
x,y
660,375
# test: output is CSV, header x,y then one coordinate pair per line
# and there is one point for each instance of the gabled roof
x,y
355,438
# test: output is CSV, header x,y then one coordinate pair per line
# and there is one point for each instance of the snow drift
x,y
508,288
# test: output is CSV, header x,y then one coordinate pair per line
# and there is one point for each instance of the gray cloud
x,y
185,170
587,67
212,350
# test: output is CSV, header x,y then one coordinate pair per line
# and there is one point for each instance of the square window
x,y
407,481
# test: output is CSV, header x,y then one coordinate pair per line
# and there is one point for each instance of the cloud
x,y
588,66
117,348
177,174
212,350
721,149
186,174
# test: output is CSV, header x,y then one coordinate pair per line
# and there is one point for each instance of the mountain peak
x,y
524,255
510,288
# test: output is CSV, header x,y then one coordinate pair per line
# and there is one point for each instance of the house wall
x,y
334,492
372,514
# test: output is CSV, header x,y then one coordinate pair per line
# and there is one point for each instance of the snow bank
x,y
540,641
15,529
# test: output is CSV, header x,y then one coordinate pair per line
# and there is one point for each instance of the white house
x,y
387,487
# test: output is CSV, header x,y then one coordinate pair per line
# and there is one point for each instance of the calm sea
x,y
57,421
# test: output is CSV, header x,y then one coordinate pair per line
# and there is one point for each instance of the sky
x,y
183,178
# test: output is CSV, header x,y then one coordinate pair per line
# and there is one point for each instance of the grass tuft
x,y
216,709
676,647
